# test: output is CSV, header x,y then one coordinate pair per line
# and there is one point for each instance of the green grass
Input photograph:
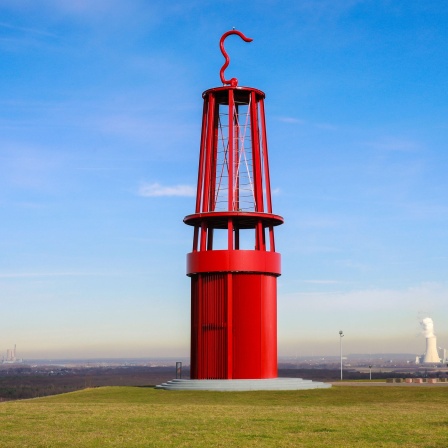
x,y
144,417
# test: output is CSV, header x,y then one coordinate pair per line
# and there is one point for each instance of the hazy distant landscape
x,y
38,378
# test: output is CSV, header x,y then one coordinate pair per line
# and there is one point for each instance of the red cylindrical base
x,y
233,325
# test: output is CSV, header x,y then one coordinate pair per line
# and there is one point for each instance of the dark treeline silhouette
x,y
27,382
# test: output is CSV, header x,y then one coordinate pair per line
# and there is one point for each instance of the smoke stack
x,y
431,354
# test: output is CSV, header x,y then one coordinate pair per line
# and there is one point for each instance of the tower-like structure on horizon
x,y
233,265
431,354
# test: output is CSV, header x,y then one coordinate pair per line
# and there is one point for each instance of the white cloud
x,y
78,7
26,30
25,275
157,190
299,121
291,120
326,126
394,144
320,223
323,282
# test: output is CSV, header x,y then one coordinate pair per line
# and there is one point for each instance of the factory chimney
x,y
431,354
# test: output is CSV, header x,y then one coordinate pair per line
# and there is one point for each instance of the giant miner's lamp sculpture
x,y
233,265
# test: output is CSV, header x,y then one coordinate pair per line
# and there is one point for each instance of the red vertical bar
x,y
208,154
221,331
237,159
200,321
260,241
230,163
266,172
229,354
212,329
205,333
236,193
263,236
230,243
265,157
271,239
193,328
207,168
258,181
230,146
195,238
202,155
210,308
205,294
214,157
203,236
210,238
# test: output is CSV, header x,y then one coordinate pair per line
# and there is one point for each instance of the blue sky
x,y
99,138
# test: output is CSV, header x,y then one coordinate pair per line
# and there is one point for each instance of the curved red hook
x,y
233,82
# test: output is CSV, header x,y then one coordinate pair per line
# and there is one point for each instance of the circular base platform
x,y
243,385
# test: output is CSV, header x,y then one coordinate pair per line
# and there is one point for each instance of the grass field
x,y
144,417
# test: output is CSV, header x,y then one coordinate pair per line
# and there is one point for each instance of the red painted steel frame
x,y
233,290
233,82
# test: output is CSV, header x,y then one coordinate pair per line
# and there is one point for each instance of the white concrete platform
x,y
243,385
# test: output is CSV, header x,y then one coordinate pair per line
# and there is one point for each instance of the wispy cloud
x,y
394,144
88,11
301,122
321,223
327,6
323,282
326,126
22,275
291,120
67,6
15,37
157,190
26,30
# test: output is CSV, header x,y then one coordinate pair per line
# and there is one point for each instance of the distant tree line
x,y
21,383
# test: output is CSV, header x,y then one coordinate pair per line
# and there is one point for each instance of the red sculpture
x,y
233,265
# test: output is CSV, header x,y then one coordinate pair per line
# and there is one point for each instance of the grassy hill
x,y
144,417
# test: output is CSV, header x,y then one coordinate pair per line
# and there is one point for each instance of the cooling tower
x,y
431,354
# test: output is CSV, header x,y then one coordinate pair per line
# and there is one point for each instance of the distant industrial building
x,y
431,355
11,356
